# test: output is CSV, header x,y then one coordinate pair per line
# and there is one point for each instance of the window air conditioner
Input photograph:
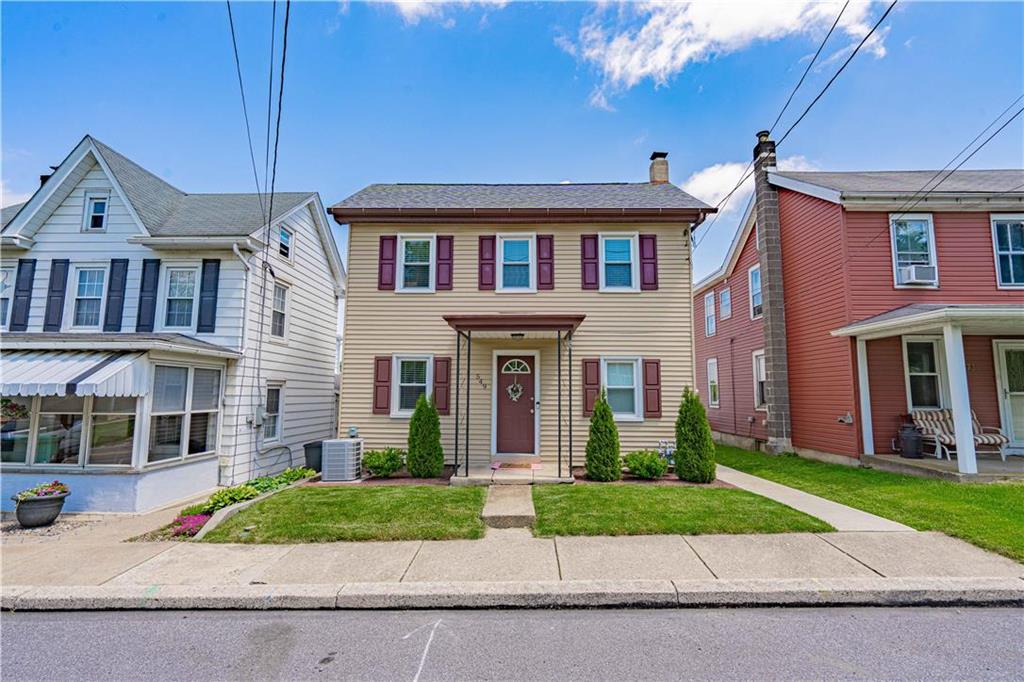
x,y
918,274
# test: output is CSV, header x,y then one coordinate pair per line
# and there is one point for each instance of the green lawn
x,y
610,509
329,514
990,515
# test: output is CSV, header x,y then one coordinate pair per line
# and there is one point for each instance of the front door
x,y
1011,398
514,421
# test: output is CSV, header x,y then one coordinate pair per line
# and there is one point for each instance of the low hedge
x,y
647,464
384,462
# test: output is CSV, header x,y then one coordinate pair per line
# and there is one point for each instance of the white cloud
x,y
414,11
656,40
8,197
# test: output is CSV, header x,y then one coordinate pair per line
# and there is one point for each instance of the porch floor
x,y
481,473
990,467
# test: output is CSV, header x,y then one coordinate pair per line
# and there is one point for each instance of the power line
x,y
270,97
245,107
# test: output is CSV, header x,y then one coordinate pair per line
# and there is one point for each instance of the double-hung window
x,y
518,263
725,304
621,380
756,300
416,263
618,263
709,314
760,381
1008,238
414,380
284,242
186,410
913,250
96,208
112,431
181,295
279,311
88,297
59,431
272,414
6,295
922,360
713,382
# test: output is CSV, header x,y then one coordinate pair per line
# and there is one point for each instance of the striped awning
x,y
99,373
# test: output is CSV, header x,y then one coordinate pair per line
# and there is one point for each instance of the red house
x,y
851,303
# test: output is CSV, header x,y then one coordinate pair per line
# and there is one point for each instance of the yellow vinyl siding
x,y
652,324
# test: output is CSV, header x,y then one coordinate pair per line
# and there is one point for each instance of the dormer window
x,y
284,242
96,208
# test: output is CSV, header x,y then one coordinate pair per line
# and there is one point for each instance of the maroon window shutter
x,y
487,259
652,388
382,384
590,261
648,262
386,262
442,384
591,384
445,259
545,261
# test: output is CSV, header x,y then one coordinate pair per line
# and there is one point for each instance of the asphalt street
x,y
843,643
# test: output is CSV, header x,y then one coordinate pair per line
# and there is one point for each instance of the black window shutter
x,y
147,295
115,294
208,296
55,295
22,294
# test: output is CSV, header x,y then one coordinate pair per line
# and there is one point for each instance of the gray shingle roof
x,y
7,213
638,195
888,182
166,211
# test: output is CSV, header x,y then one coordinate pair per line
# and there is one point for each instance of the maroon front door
x,y
515,397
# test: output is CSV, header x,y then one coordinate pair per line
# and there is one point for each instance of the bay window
x,y
186,404
15,428
59,429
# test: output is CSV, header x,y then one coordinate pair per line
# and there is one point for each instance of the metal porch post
x,y
559,363
458,376
571,415
469,383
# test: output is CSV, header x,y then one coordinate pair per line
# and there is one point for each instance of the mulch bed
x,y
399,478
667,480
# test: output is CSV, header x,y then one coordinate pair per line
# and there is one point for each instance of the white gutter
x,y
233,243
933,318
245,298
16,241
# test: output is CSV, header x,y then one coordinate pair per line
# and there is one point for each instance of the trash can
x,y
314,455
910,442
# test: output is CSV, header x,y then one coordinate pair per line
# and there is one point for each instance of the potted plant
x,y
41,504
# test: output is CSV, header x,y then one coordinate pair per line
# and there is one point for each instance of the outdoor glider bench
x,y
936,427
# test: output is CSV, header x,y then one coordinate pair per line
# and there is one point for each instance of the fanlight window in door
x,y
515,366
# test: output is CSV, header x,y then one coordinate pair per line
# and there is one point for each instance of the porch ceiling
x,y
983,319
516,326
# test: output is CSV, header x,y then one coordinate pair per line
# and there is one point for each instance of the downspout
x,y
242,359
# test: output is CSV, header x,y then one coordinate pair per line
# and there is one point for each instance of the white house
x,y
156,343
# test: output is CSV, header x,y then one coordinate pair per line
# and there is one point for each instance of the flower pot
x,y
39,511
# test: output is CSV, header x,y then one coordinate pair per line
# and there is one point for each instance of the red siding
x,y
734,341
963,244
821,379
889,392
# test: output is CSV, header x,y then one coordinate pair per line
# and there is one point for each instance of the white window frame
x,y
9,297
710,324
638,393
281,231
87,213
90,416
69,304
278,435
726,295
273,309
634,256
396,381
932,255
714,397
993,219
750,290
499,259
186,426
400,261
165,288
940,370
760,407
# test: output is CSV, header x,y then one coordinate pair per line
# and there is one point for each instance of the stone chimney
x,y
659,168
769,246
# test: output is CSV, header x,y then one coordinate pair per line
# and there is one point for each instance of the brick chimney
x,y
659,168
769,246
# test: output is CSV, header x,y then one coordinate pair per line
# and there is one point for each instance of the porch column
x,y
867,432
960,399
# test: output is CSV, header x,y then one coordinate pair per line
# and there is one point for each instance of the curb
x,y
526,595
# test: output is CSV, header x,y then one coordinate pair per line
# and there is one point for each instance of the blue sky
x,y
505,92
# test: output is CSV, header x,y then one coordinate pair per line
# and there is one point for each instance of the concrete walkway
x,y
509,506
839,516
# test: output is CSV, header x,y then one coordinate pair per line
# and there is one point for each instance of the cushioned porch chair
x,y
936,427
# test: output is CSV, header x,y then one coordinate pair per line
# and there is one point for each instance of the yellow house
x,y
513,305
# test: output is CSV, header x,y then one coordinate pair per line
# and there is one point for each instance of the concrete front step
x,y
509,506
